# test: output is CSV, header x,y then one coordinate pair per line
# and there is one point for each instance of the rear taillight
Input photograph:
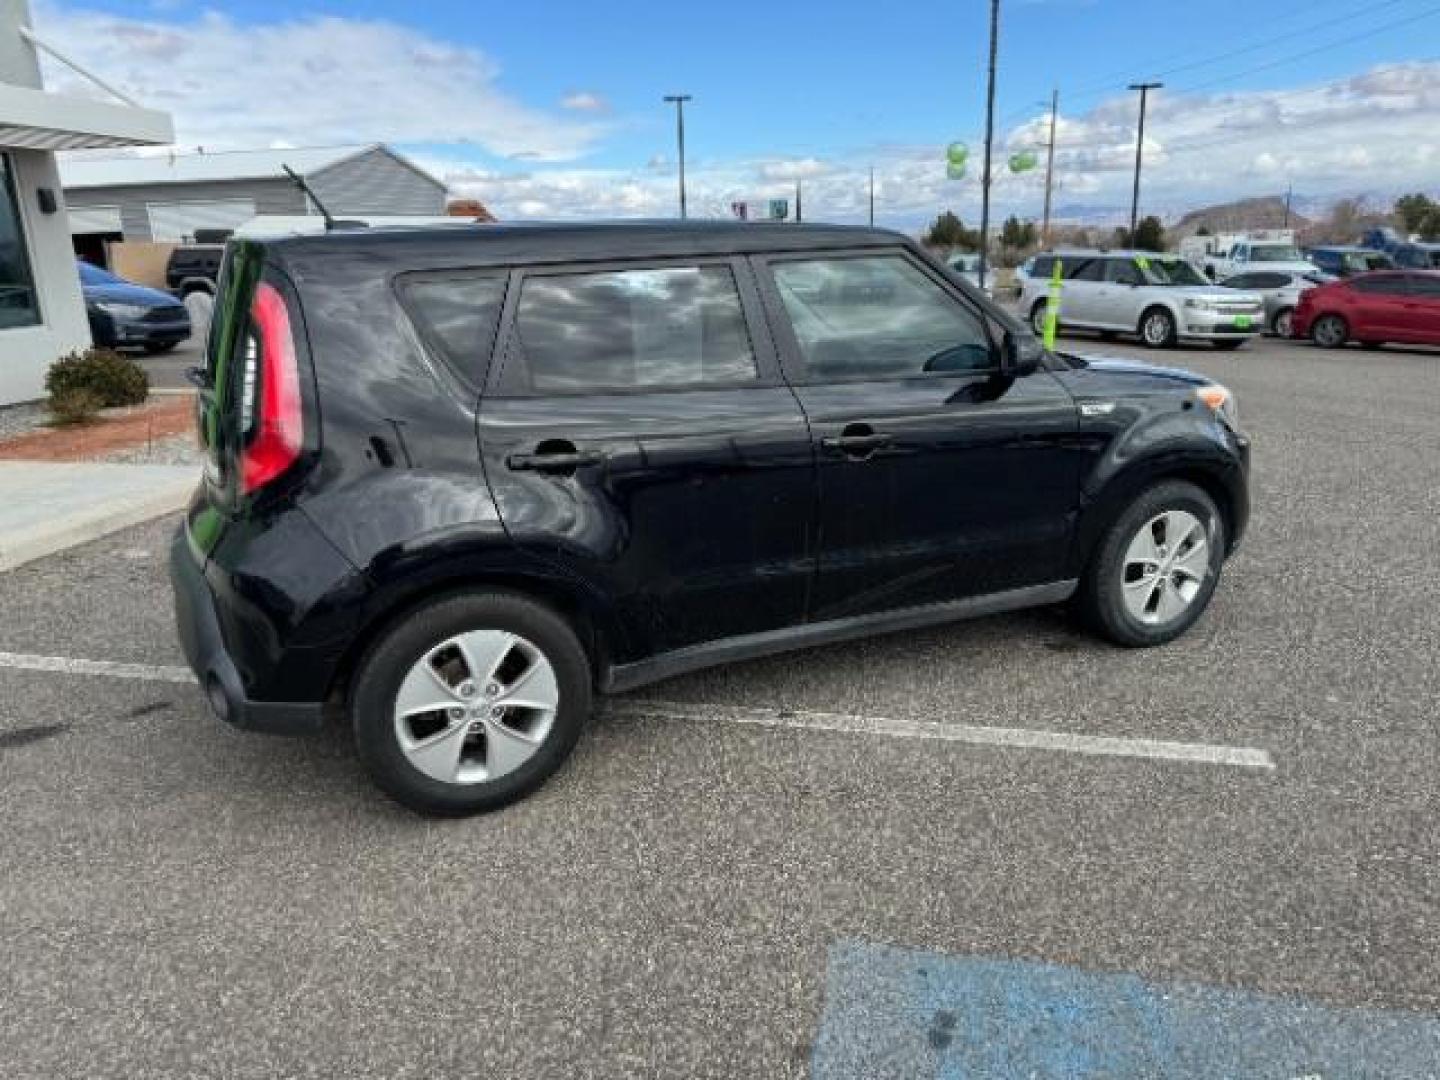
x,y
276,427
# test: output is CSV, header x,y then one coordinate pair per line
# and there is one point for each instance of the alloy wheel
x,y
1329,332
476,707
1156,330
1165,567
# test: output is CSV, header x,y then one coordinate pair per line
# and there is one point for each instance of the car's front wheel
x,y
1283,325
1156,567
1157,328
470,702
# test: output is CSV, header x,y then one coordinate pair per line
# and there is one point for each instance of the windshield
x,y
93,275
1274,253
1170,272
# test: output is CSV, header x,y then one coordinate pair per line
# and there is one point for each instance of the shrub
x,y
77,405
114,379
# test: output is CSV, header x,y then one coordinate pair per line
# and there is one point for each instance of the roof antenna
x,y
330,223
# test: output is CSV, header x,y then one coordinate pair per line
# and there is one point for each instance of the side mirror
x,y
1020,354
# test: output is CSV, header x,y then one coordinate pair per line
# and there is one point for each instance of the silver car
x,y
1162,298
1280,290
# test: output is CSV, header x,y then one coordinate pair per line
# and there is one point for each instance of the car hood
x,y
1297,267
1216,295
138,295
1112,375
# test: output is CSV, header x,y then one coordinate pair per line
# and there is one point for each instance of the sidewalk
x,y
46,507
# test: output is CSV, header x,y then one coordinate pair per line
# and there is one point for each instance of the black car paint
x,y
715,522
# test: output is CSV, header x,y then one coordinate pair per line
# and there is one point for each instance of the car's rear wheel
x,y
470,702
1330,331
1157,328
1156,567
1283,325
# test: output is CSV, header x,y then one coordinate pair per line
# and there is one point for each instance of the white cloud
x,y
584,101
311,81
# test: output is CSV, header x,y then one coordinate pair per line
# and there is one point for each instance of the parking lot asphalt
x,y
695,896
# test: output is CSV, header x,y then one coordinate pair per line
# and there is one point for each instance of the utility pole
x,y
1144,89
678,100
989,141
1050,167
799,213
1289,192
872,196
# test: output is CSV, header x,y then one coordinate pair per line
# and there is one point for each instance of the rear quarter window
x,y
457,317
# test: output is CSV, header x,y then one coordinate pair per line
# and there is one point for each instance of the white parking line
x,y
1101,745
152,672
642,708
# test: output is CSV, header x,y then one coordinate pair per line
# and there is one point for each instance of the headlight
x,y
1221,402
122,311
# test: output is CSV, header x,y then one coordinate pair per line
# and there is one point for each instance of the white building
x,y
42,315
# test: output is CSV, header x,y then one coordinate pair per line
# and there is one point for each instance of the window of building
x,y
18,303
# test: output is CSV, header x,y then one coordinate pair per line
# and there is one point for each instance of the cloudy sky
x,y
552,109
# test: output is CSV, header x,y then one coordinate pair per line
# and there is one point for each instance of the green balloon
x,y
1024,161
956,153
955,170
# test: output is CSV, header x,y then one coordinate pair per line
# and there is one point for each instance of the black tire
x,y
1101,597
1150,321
159,348
1280,326
388,662
1228,346
1038,316
1330,331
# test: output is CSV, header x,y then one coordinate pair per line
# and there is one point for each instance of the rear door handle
x,y
563,461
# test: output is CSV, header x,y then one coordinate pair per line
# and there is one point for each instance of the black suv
x,y
194,268
462,479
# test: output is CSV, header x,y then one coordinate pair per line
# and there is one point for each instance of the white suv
x,y
1160,297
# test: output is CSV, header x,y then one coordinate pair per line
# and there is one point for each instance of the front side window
x,y
659,328
18,304
878,317
1121,272
1089,270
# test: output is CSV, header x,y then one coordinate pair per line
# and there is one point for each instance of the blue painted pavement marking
x,y
905,1013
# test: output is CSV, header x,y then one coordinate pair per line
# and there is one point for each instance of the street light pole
x,y
989,140
678,100
1144,89
872,196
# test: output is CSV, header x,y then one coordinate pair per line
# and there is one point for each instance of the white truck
x,y
1226,254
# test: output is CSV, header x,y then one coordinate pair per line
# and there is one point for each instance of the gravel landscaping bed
x,y
170,450
19,419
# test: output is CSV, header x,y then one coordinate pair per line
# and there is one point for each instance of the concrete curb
x,y
48,507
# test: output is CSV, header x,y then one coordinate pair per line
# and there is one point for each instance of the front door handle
x,y
556,461
857,440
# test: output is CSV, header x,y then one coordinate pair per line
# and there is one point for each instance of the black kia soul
x,y
460,480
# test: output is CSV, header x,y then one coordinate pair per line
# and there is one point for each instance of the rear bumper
x,y
204,648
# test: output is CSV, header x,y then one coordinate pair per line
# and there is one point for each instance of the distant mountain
x,y
1242,215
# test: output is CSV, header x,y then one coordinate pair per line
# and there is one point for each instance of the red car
x,y
1373,309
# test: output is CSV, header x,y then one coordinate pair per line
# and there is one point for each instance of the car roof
x,y
493,244
1115,253
1347,249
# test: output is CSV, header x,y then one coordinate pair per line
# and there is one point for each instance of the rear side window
x,y
459,315
659,328
1089,270
877,317
1427,287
